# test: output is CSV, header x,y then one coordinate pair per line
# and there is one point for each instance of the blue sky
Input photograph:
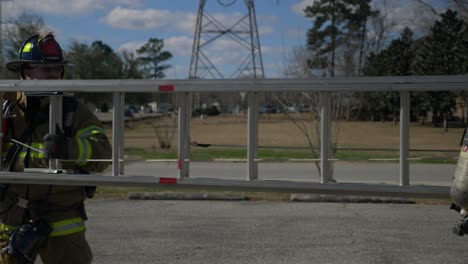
x,y
127,24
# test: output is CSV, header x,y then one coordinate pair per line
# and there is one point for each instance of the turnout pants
x,y
70,249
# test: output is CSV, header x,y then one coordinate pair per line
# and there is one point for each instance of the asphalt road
x,y
353,172
107,116
179,232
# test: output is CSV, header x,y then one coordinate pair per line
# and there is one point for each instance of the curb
x,y
317,198
185,196
326,198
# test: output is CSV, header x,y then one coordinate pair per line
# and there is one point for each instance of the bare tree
x,y
164,129
297,63
381,28
462,7
24,26
428,6
302,109
15,33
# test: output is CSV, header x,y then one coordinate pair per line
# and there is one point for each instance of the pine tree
x,y
358,25
335,23
396,60
95,61
152,57
327,32
443,52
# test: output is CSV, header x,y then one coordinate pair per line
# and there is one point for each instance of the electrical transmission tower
x,y
209,31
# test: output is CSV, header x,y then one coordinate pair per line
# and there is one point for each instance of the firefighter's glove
x,y
25,242
55,146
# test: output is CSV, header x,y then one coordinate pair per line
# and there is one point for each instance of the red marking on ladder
x,y
166,88
179,164
167,180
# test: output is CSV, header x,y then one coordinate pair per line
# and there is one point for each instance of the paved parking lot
x,y
127,231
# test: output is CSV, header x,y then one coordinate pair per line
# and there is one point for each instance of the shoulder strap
x,y
70,104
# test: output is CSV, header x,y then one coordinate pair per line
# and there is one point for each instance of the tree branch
x,y
428,6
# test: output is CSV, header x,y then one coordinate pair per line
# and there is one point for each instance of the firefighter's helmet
x,y
38,49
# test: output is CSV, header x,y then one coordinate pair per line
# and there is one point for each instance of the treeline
x,y
349,38
93,61
443,52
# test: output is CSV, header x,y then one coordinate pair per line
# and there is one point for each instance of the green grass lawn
x,y
208,154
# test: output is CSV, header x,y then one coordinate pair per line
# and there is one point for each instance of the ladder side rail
x,y
401,84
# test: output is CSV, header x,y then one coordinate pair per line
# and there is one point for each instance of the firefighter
x,y
459,188
48,220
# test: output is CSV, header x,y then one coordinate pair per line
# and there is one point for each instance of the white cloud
x,y
402,12
60,7
299,7
266,24
228,19
177,72
274,70
137,19
407,14
185,25
129,18
132,3
265,30
131,46
298,34
178,45
223,44
267,50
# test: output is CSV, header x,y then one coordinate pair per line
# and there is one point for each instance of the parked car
x,y
209,111
165,108
291,109
267,109
130,111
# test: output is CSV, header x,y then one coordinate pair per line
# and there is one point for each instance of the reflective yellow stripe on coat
x,y
33,153
84,146
5,231
60,228
67,227
82,138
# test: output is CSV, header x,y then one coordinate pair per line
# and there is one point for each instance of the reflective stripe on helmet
x,y
84,146
67,227
27,47
42,49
